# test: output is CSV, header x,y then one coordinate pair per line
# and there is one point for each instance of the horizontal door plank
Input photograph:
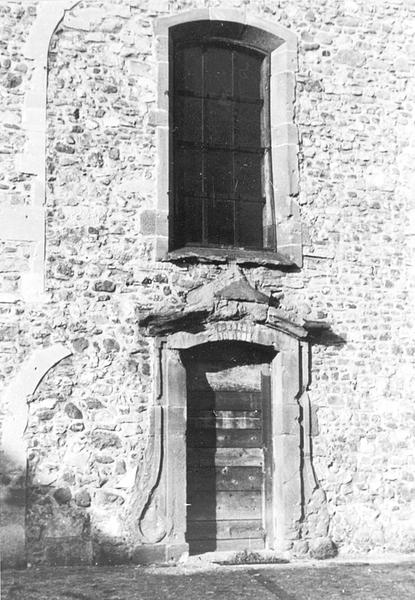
x,y
224,419
201,546
224,438
226,529
224,505
224,400
225,478
225,414
225,457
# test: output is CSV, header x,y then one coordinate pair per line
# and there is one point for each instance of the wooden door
x,y
227,447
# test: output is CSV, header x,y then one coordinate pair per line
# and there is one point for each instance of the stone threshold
x,y
245,557
215,560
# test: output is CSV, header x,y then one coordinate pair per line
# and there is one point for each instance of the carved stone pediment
x,y
229,297
231,286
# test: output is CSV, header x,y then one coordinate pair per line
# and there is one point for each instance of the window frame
x,y
268,241
281,45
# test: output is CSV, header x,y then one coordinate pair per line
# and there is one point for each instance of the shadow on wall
x,y
320,333
13,505
43,524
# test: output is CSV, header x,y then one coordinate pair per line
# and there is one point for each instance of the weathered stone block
x,y
111,345
105,439
149,554
80,344
106,553
148,222
12,80
73,411
62,495
110,89
68,551
65,148
322,548
350,57
77,427
83,499
105,286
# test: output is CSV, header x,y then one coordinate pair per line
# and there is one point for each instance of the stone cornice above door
x,y
229,297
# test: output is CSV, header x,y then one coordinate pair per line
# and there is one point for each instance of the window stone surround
x,y
284,134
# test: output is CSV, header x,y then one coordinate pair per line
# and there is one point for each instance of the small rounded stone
x,y
63,495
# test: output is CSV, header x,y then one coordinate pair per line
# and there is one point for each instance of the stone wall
x,y
89,417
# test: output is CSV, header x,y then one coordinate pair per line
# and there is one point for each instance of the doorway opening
x,y
228,446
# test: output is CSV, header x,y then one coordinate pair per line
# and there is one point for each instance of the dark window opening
x,y
220,146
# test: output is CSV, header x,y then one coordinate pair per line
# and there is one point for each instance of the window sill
x,y
264,258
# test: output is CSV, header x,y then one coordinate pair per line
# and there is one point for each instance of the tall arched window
x,y
221,168
227,147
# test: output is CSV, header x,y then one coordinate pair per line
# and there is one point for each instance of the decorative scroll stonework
x,y
147,478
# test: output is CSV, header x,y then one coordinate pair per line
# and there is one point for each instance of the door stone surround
x,y
291,485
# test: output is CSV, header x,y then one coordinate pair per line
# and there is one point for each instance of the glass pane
x,y
250,224
219,173
219,122
220,223
191,221
188,70
248,175
247,125
188,171
248,75
218,71
188,121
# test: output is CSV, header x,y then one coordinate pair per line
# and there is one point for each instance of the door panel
x,y
226,478
240,529
226,503
226,419
225,545
225,438
225,457
245,505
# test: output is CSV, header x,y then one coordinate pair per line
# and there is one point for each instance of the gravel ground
x,y
331,581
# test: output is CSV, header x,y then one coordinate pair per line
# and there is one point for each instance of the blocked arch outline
x,y
27,223
284,134
289,381
24,383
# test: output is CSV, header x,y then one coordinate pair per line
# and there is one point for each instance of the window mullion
x,y
235,221
269,240
204,156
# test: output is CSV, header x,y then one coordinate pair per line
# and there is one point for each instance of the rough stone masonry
x,y
78,267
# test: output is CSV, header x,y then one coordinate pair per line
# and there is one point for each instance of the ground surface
x,y
329,581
